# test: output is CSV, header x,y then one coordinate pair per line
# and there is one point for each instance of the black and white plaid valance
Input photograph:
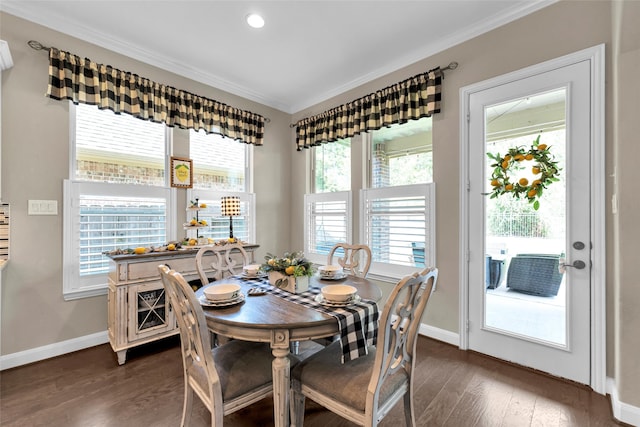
x,y
413,98
84,81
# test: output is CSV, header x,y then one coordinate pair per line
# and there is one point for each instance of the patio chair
x,y
535,274
364,390
417,249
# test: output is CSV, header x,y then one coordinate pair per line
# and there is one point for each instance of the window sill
x,y
87,293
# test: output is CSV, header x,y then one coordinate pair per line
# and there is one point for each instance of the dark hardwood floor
x,y
453,388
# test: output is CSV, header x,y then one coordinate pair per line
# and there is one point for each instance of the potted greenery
x,y
290,272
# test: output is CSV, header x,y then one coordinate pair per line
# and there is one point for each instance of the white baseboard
x,y
439,334
622,411
52,350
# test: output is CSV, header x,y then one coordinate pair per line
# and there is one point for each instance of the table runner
x,y
358,322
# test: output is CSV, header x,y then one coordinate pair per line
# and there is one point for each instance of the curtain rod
x,y
33,44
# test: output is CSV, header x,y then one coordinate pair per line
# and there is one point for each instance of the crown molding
x,y
30,12
431,49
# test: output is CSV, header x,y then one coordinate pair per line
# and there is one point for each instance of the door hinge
x,y
468,325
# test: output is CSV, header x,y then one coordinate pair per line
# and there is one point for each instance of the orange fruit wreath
x,y
545,170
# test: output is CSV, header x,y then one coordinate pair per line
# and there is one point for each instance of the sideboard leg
x,y
122,356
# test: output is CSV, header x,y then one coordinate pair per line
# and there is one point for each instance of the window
x,y
328,209
398,207
117,148
332,166
218,163
401,154
117,197
395,213
221,168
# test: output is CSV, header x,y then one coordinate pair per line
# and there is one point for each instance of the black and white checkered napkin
x,y
358,322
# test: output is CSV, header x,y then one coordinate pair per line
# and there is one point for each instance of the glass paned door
x,y
525,306
525,286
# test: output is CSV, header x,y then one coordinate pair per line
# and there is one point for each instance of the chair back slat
x,y
223,263
398,329
194,337
356,259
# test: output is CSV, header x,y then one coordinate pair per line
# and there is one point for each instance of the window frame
x,y
75,286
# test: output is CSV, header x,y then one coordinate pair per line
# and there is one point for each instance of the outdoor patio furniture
x,y
494,272
535,274
418,253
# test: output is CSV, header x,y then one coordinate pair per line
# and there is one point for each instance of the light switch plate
x,y
43,207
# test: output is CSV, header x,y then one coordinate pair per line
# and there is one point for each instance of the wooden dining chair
x,y
355,259
227,378
372,384
224,263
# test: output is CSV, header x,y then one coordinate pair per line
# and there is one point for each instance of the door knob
x,y
575,264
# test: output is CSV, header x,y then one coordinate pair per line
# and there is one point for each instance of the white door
x,y
523,305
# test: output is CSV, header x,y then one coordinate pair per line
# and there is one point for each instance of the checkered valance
x,y
84,81
416,97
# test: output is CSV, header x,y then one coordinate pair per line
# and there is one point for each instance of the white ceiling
x,y
307,52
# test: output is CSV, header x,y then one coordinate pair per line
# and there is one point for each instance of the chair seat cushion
x,y
344,382
242,366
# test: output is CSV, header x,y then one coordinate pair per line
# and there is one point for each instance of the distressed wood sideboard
x,y
138,311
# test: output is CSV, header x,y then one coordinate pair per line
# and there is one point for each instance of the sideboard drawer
x,y
146,270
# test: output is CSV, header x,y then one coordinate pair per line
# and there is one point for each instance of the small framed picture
x,y
181,172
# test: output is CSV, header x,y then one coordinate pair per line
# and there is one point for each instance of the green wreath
x,y
545,171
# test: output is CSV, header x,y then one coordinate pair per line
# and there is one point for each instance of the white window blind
x,y
399,227
101,217
328,221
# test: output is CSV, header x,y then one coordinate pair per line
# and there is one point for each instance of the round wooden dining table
x,y
279,322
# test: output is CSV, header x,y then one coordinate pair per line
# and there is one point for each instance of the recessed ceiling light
x,y
254,20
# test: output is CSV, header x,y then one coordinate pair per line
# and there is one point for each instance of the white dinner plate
x,y
224,303
321,300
